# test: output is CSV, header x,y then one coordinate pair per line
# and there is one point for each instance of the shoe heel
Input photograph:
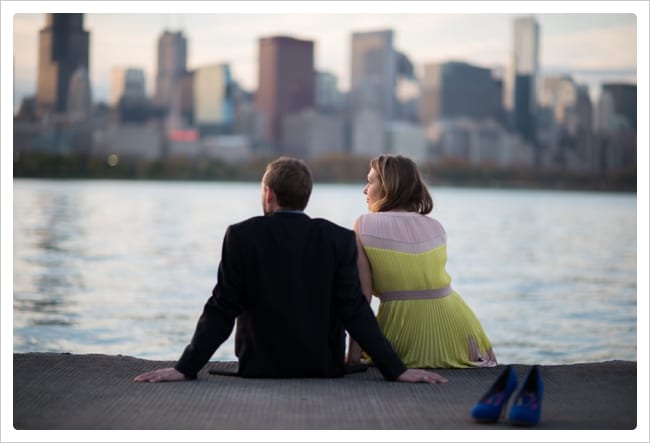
x,y
491,405
526,409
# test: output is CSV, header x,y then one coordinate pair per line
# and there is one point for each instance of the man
x,y
292,284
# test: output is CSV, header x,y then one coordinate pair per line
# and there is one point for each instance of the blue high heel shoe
x,y
526,408
489,407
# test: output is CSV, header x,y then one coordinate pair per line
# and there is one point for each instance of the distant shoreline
x,y
340,169
487,184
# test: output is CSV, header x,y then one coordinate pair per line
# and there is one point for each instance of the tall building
x,y
559,93
564,124
407,90
624,101
286,81
129,95
373,73
522,76
407,138
584,131
328,97
79,102
62,49
127,83
172,61
214,109
310,134
455,89
187,96
616,116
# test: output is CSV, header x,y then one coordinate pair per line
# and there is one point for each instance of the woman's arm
x,y
365,274
365,277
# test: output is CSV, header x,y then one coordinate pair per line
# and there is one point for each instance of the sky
x,y
592,47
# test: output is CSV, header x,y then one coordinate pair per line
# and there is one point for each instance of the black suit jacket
x,y
292,284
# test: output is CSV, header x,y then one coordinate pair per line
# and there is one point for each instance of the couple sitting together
x,y
295,284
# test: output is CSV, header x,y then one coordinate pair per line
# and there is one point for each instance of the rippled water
x,y
120,267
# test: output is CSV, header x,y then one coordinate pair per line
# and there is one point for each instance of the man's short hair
x,y
291,181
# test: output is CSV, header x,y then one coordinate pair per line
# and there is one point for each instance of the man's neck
x,y
293,211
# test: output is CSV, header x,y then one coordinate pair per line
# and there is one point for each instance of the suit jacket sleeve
x,y
359,319
219,313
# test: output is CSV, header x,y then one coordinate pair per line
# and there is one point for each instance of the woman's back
x,y
407,251
427,322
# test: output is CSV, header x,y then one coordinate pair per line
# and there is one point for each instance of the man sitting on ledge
x,y
292,284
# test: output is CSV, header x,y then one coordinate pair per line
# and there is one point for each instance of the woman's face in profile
x,y
372,189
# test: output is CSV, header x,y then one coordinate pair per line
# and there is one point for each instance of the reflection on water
x,y
51,229
121,267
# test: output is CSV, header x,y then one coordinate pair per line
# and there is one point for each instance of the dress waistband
x,y
416,295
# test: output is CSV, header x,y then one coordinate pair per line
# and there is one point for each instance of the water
x,y
122,267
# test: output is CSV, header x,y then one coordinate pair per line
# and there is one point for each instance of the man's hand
x,y
164,374
421,376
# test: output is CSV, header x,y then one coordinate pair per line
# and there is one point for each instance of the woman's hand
x,y
354,353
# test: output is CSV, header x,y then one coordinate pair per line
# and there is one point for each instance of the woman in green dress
x,y
402,258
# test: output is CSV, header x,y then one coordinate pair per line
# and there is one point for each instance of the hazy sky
x,y
592,47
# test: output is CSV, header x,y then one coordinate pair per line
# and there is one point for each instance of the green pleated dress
x,y
427,322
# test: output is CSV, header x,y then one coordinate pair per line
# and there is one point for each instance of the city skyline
x,y
591,47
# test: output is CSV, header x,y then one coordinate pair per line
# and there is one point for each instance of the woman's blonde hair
x,y
402,186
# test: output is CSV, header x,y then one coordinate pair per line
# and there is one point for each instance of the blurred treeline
x,y
335,168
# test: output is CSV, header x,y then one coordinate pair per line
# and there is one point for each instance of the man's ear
x,y
269,195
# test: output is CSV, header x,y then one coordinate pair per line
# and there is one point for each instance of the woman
x,y
402,257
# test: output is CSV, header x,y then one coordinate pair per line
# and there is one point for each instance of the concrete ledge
x,y
74,392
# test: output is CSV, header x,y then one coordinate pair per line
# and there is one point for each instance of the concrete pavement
x,y
63,391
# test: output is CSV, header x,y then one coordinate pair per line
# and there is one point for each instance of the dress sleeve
x,y
359,319
219,313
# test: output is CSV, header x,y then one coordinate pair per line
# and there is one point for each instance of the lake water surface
x,y
124,267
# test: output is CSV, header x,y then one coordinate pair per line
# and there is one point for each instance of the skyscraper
x,y
127,83
616,116
128,94
520,84
328,98
457,89
286,81
172,61
373,72
624,101
214,110
79,102
63,48
407,90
